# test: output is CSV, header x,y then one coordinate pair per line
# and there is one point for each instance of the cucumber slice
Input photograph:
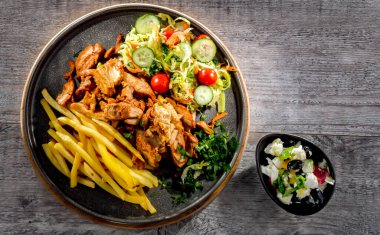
x,y
204,49
143,57
182,51
203,95
144,23
222,102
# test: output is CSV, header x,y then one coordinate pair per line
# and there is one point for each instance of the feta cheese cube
x,y
275,148
298,153
311,181
271,171
286,200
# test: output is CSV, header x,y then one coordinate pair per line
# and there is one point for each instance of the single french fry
x,y
133,199
86,182
58,107
52,133
143,203
123,156
92,175
115,165
105,134
53,118
63,151
82,139
98,168
74,171
120,138
144,181
91,151
59,159
91,124
119,180
151,208
85,120
50,156
148,175
94,145
149,205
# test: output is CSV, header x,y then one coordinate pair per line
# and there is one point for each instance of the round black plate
x,y
103,26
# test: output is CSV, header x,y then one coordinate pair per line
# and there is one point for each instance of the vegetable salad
x,y
294,174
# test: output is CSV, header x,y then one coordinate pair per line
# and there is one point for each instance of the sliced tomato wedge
x,y
201,36
321,174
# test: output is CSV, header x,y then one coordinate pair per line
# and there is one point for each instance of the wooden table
x,y
311,68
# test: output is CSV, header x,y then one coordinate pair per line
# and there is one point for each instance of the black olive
x,y
295,165
317,196
307,150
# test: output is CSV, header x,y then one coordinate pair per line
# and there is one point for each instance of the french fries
x,y
95,154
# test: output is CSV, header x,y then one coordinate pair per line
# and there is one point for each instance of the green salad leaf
x,y
286,153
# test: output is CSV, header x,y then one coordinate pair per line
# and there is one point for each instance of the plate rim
x,y
202,202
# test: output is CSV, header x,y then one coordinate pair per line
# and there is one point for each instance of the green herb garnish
x,y
75,54
214,153
128,135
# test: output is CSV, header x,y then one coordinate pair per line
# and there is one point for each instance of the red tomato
x,y
321,174
207,76
201,36
160,83
168,32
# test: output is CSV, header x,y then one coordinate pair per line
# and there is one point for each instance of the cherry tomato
x,y
201,36
321,174
160,83
168,32
207,76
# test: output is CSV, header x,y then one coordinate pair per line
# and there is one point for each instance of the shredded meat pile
x,y
106,91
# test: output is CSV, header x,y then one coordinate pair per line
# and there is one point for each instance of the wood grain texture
x,y
311,67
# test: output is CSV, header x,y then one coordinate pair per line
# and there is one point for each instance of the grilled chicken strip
x,y
88,58
107,76
66,93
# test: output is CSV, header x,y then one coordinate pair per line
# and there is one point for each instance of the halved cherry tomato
x,y
160,83
207,76
168,32
201,36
